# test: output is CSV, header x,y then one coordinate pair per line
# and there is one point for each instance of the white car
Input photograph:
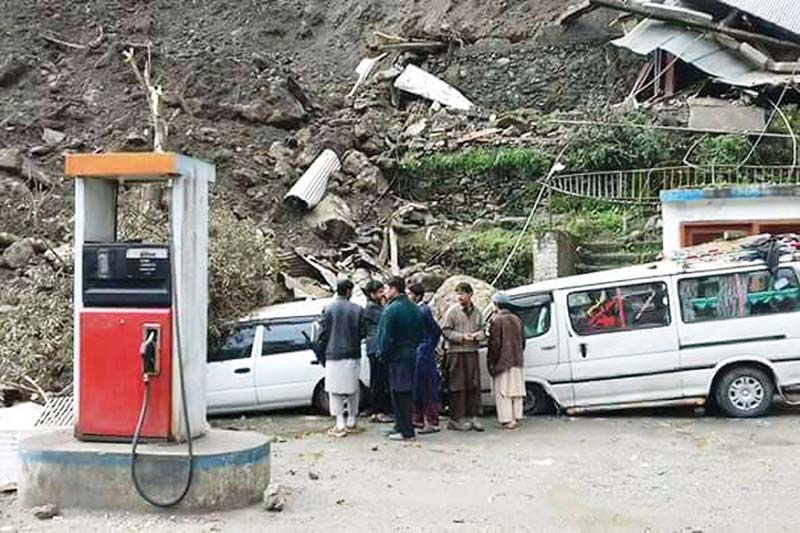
x,y
265,361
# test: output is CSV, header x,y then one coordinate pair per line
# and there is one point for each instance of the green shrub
x,y
481,254
720,150
602,147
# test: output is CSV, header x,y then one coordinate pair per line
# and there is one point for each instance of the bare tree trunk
x,y
151,194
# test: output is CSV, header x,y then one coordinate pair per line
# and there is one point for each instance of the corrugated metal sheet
x,y
701,51
311,187
783,13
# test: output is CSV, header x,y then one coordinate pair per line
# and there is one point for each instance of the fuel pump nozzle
x,y
149,352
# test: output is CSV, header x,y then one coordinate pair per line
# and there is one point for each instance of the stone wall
x,y
553,255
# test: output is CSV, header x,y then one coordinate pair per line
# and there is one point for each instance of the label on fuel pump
x,y
146,262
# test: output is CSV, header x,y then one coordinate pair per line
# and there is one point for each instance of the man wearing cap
x,y
463,328
338,348
505,361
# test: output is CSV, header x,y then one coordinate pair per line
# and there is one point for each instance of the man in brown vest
x,y
505,361
463,328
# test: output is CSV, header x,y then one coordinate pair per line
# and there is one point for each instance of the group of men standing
x,y
402,337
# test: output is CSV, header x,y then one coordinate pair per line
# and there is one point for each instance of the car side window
x,y
287,337
233,344
738,295
619,308
536,320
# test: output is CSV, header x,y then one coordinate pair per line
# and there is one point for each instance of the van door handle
x,y
315,362
583,348
244,370
547,348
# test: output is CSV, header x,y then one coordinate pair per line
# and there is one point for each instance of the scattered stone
x,y
45,512
51,136
61,255
136,140
245,176
313,476
18,254
11,160
274,498
7,239
12,71
374,448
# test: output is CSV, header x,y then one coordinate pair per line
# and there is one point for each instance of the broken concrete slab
x,y
723,115
364,69
51,136
416,81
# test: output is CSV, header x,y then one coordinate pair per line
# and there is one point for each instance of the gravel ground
x,y
675,471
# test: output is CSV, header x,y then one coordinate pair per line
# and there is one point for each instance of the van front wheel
x,y
537,402
744,392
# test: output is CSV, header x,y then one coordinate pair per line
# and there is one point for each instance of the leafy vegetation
x,y
600,147
720,150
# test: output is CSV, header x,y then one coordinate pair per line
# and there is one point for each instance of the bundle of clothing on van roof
x,y
765,247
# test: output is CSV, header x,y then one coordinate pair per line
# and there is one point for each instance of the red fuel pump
x,y
125,336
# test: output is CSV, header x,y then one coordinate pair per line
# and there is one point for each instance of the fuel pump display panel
x,y
126,275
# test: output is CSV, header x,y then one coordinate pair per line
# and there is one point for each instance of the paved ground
x,y
673,471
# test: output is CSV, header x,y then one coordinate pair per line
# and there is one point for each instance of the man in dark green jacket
x,y
399,334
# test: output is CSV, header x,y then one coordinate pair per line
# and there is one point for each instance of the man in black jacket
x,y
380,401
342,327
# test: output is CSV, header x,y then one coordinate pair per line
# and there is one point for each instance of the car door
x,y
230,373
623,343
286,367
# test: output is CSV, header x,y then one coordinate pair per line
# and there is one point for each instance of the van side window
x,y
536,320
233,344
738,295
619,308
286,337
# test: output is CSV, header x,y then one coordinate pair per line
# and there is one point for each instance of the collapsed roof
x,y
746,43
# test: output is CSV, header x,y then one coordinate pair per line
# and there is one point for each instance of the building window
x,y
619,308
738,295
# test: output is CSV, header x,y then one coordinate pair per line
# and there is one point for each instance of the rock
x,y
274,498
278,107
136,140
12,71
246,177
332,219
7,239
415,129
430,279
45,512
446,296
4,310
313,476
18,254
59,256
11,160
51,136
355,162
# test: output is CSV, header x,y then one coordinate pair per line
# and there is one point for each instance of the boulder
x,y
355,162
332,219
11,160
18,254
368,176
7,239
278,107
45,512
274,498
446,294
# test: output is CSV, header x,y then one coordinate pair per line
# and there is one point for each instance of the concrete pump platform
x,y
231,470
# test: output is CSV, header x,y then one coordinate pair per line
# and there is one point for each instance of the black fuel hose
x,y
146,400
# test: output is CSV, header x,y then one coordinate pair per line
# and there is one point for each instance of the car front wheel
x,y
537,402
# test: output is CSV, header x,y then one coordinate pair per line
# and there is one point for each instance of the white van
x,y
265,361
726,334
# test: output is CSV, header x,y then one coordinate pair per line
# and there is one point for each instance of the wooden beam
x,y
674,16
122,165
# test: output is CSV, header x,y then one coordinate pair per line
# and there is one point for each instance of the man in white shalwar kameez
x,y
342,326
